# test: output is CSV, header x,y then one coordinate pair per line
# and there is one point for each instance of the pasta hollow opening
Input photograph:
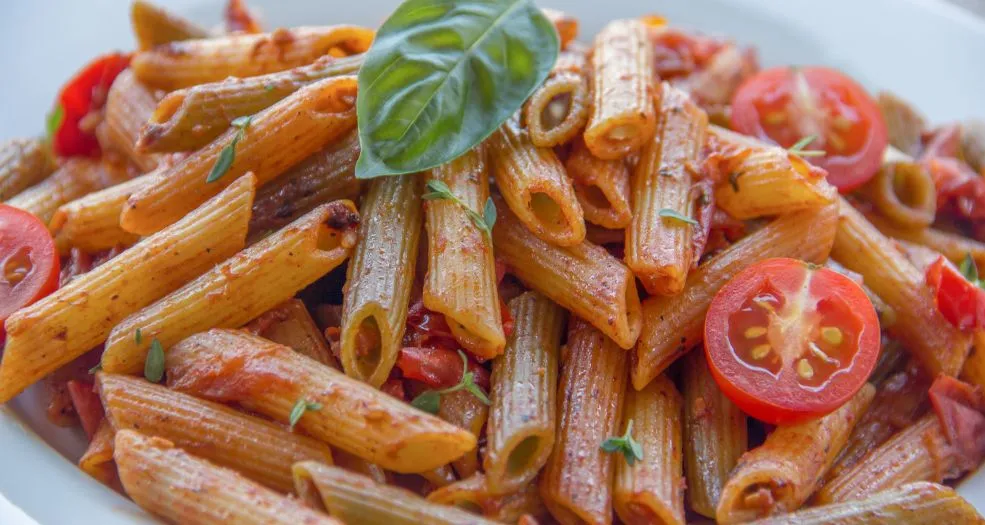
x,y
328,238
369,347
521,455
620,134
556,111
548,212
596,197
167,108
308,492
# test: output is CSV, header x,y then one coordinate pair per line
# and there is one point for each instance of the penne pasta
x,y
154,25
601,186
465,411
558,110
92,223
270,379
576,483
239,288
75,178
378,282
256,448
188,63
472,494
97,461
973,370
778,476
290,324
357,499
80,315
461,275
951,245
658,241
270,143
673,325
652,491
535,186
182,488
905,193
23,163
622,115
585,279
128,106
521,429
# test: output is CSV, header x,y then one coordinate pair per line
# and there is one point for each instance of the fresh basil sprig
x,y
442,75
439,191
228,154
430,401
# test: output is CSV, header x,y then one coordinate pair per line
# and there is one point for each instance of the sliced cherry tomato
x,y
84,93
438,367
787,340
960,301
29,264
678,53
785,105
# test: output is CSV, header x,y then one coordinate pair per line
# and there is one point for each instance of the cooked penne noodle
x,y
92,223
622,116
778,476
652,491
325,176
466,411
576,483
258,449
658,247
715,435
357,499
521,427
904,193
98,458
128,106
535,186
188,63
913,504
601,186
951,245
80,315
565,24
940,347
461,274
192,117
974,367
558,110
584,279
270,379
673,325
23,163
359,465
239,288
154,25
472,494
903,123
182,488
378,282
75,178
290,324
273,141
439,477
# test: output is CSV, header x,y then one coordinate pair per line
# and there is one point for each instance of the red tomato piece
x,y
678,53
438,367
29,264
784,105
960,408
960,301
84,93
787,340
87,405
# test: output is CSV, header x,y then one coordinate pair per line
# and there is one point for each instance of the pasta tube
x,y
128,106
466,411
461,275
521,432
672,325
182,488
377,294
584,279
652,491
290,324
239,288
558,110
23,163
264,377
98,458
154,25
601,186
622,116
188,63
535,186
75,178
905,193
256,448
272,141
778,476
472,494
80,315
658,243
357,499
951,245
576,484
92,223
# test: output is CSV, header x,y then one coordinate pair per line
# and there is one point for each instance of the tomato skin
x,y
761,107
437,367
780,396
85,92
961,302
24,240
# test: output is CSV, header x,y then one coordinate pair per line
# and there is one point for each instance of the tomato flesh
x,y
787,340
437,367
29,264
785,105
84,93
960,301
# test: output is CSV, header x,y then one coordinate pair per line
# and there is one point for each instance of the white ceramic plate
x,y
930,53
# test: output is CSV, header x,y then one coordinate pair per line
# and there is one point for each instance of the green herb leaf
x,y
440,191
489,214
668,213
969,269
629,447
429,401
442,75
228,154
300,407
798,147
138,337
242,122
154,365
97,368
54,121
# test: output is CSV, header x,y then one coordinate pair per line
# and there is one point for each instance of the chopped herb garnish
x,y
798,148
302,406
970,270
430,401
228,154
630,448
97,368
668,213
268,87
154,365
439,191
138,337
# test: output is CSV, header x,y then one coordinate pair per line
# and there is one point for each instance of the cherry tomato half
x,y
785,105
960,301
85,92
787,340
29,264
437,367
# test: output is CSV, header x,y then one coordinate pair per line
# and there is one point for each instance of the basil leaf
x,y
442,75
429,402
668,213
154,365
489,214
